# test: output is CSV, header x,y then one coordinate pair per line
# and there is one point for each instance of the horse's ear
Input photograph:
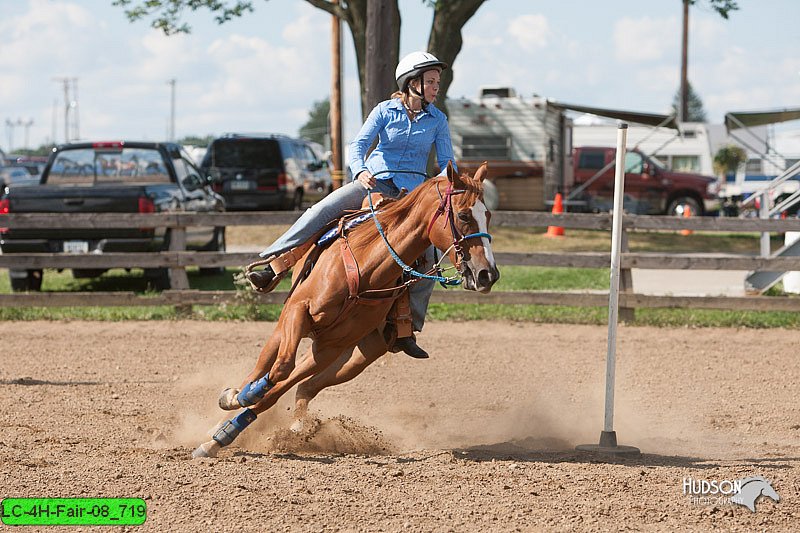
x,y
482,172
451,172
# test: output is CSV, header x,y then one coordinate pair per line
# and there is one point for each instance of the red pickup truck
x,y
650,189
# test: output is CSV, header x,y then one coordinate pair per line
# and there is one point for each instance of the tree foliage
x,y
196,140
696,111
167,15
316,127
723,7
444,41
728,158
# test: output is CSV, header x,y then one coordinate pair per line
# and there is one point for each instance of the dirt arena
x,y
478,438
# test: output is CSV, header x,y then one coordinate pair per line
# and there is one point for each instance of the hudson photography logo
x,y
745,491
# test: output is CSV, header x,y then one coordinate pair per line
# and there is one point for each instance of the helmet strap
x,y
417,94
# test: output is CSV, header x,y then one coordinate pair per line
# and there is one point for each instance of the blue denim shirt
x,y
403,144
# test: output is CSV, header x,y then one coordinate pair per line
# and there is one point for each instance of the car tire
x,y
677,206
218,245
31,282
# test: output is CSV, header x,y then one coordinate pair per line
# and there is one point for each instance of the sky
x,y
263,72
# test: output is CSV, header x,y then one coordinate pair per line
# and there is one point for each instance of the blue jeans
x,y
332,207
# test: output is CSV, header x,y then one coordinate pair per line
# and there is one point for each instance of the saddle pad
x,y
333,233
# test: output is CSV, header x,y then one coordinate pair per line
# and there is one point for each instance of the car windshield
x,y
87,166
245,153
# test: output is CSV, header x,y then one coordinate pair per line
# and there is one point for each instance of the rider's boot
x,y
277,269
260,279
400,318
410,347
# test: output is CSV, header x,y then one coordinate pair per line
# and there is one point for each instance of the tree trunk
x,y
445,39
383,48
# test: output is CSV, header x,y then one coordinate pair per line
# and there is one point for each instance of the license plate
x,y
241,185
76,247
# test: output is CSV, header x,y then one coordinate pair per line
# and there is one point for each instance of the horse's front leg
x,y
320,359
277,357
348,365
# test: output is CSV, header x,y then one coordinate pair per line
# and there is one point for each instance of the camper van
x,y
526,141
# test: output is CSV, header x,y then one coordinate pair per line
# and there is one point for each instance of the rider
x,y
407,126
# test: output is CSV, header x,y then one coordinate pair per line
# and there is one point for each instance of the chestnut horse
x,y
328,306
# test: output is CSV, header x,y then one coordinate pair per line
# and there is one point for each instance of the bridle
x,y
445,208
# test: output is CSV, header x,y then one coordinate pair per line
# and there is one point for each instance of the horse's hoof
x,y
207,449
297,426
228,400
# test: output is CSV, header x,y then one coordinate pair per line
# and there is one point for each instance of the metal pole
x,y
608,438
763,213
613,292
172,110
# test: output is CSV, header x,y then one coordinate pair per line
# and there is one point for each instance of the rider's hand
x,y
367,179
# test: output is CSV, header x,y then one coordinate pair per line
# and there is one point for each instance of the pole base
x,y
608,446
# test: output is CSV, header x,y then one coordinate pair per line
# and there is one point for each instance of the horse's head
x,y
465,231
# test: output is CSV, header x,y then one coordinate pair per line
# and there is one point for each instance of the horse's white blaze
x,y
479,214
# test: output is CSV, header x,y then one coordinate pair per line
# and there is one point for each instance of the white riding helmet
x,y
413,65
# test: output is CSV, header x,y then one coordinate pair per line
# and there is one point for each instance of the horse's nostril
x,y
484,278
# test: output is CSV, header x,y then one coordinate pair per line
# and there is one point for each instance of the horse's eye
x,y
464,216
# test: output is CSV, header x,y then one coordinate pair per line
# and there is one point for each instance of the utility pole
x,y
10,131
27,125
54,125
76,132
69,103
336,101
683,112
171,135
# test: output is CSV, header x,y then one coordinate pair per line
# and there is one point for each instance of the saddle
x,y
399,314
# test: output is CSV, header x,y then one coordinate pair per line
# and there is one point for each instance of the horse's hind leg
x,y
277,356
349,364
319,360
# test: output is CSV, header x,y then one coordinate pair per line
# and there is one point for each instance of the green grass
x,y
513,278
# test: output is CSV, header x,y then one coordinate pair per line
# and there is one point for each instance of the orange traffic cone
x,y
558,207
687,213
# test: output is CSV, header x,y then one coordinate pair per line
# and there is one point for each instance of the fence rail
x,y
177,259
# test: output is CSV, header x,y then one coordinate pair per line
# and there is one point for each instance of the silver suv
x,y
264,171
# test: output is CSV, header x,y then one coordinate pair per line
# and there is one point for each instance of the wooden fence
x,y
177,259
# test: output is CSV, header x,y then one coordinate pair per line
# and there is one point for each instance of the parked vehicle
x,y
650,189
16,177
528,143
262,171
110,177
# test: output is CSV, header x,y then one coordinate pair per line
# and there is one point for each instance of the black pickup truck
x,y
110,177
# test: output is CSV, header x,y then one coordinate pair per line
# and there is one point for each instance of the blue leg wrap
x,y
231,429
252,393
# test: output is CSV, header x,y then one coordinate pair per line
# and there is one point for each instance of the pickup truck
x,y
650,189
110,177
